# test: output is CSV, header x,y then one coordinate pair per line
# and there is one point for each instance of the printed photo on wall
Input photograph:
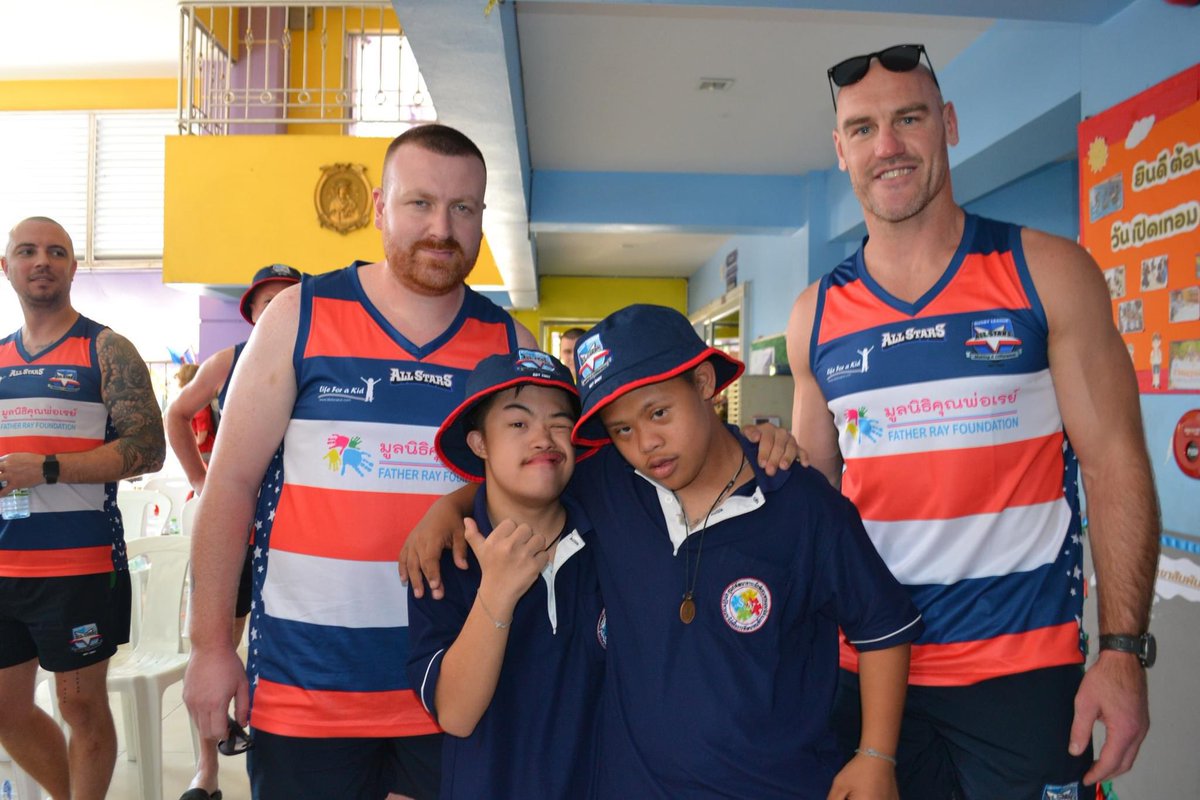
x,y
1129,317
1185,304
1185,365
1105,198
1115,277
1154,273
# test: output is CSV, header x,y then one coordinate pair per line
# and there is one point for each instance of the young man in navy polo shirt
x,y
724,588
511,662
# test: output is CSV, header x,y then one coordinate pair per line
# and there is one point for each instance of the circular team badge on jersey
x,y
746,604
602,628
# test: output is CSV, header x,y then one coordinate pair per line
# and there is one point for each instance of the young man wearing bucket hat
x,y
501,636
724,587
211,384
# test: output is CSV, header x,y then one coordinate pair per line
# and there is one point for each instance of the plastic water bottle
x,y
16,505
6,790
172,526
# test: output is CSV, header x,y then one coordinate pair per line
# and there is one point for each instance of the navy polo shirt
x,y
537,737
737,703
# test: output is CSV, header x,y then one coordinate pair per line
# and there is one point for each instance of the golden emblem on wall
x,y
343,197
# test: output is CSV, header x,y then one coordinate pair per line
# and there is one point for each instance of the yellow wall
x,y
237,202
330,76
566,301
89,95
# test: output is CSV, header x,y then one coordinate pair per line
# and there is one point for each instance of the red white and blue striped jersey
x,y
51,403
956,457
356,470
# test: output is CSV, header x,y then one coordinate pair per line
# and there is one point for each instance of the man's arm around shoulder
x,y
812,424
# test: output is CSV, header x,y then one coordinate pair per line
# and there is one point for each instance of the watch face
x,y
1149,650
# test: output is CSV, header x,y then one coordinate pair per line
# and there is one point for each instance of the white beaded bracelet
x,y
873,753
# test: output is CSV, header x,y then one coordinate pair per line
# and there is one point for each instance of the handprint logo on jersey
x,y
344,452
858,425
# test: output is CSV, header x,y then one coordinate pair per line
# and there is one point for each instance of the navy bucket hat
x,y
271,274
491,375
634,347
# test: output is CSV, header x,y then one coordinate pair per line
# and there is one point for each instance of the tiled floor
x,y
178,761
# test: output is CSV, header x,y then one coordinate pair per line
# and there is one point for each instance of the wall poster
x,y
1139,205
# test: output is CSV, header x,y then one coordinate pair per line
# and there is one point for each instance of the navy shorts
x,y
245,586
1001,739
67,623
288,767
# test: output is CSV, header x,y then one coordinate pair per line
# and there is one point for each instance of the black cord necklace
x,y
687,609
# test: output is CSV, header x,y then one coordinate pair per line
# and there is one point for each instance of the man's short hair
x,y
440,139
572,333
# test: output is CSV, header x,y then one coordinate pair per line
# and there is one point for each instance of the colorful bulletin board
x,y
1139,198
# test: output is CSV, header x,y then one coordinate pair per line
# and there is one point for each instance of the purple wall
x,y
221,325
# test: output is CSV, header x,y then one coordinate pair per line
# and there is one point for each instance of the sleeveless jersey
x,y
52,403
956,457
221,395
357,469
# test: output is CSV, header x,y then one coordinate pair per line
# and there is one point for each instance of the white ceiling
x,y
606,89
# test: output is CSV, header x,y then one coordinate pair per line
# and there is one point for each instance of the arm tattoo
x,y
129,398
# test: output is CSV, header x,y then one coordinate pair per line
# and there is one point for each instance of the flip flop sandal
x,y
200,794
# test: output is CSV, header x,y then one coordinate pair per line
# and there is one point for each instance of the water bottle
x,y
16,505
6,789
172,526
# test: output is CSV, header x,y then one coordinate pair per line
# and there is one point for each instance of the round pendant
x,y
687,611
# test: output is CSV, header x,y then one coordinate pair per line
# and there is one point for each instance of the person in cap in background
x,y
501,636
204,423
566,347
997,341
211,385
724,587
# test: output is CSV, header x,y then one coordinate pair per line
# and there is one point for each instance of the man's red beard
x,y
428,276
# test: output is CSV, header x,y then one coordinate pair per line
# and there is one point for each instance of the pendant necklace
x,y
687,609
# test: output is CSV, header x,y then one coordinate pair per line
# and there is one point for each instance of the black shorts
x,y
66,623
288,767
1001,739
245,586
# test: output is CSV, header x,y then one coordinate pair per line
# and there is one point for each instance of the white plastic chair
x,y
142,674
187,518
137,508
177,489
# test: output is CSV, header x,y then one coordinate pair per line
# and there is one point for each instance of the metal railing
x,y
260,67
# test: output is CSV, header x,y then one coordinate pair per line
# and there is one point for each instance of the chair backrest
x,y
162,562
137,505
177,489
188,517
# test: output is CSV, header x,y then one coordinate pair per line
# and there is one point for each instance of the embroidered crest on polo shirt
x,y
593,358
746,604
602,628
86,639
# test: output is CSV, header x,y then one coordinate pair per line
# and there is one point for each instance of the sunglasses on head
x,y
236,740
897,58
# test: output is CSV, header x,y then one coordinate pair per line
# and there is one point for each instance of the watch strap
x,y
1140,645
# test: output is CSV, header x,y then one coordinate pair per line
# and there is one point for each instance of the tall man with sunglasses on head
x,y
948,376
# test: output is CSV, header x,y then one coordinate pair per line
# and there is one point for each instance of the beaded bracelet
x,y
873,753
